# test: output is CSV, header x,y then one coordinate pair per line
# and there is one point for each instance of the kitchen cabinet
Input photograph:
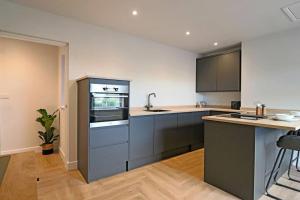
x,y
206,74
110,135
107,161
155,137
141,137
197,140
219,73
108,151
186,127
166,136
101,151
229,72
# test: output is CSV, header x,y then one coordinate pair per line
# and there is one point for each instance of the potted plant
x,y
47,136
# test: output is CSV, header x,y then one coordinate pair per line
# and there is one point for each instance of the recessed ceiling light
x,y
216,44
135,13
187,33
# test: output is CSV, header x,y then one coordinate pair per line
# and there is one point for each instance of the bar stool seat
x,y
291,142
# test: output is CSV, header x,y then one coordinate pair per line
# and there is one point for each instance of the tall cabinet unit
x,y
102,147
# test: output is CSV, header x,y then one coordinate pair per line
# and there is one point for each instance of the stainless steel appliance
x,y
109,105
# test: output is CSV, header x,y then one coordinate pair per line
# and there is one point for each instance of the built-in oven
x,y
109,105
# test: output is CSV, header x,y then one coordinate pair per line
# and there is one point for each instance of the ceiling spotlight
x,y
215,44
187,33
135,13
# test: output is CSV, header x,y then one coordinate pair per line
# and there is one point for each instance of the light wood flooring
x,y
177,178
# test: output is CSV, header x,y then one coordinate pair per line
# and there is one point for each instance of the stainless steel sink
x,y
157,110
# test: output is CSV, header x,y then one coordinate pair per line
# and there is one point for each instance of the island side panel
x,y
267,152
229,157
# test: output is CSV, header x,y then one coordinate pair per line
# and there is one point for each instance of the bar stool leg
x,y
279,165
297,161
290,164
271,175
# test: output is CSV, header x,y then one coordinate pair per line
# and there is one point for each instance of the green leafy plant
x,y
47,136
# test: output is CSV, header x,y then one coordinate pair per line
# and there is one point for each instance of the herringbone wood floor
x,y
173,179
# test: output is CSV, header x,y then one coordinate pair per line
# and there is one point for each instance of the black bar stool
x,y
291,141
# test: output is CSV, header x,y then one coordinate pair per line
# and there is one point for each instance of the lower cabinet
x,y
155,137
166,135
197,140
105,153
141,137
187,128
107,161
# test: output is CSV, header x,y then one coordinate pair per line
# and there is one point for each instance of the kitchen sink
x,y
157,110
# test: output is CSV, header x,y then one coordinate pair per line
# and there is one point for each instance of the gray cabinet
x,y
206,74
102,151
166,136
228,73
186,127
109,135
141,137
219,73
108,160
155,137
108,151
197,139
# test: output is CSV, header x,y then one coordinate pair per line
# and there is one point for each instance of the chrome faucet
x,y
148,106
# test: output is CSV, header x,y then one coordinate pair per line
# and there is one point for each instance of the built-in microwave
x,y
109,105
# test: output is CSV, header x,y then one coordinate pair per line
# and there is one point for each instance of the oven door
x,y
108,109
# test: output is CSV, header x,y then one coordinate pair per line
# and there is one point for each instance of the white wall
x,y
29,78
152,67
271,70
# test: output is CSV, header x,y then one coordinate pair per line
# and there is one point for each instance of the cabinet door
x,y
109,135
198,134
229,72
165,133
206,74
141,133
186,127
107,161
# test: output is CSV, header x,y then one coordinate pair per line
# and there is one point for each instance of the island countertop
x,y
266,123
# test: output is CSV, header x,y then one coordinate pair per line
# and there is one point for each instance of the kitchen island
x,y
240,153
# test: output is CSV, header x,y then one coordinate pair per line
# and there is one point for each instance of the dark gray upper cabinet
x,y
141,137
219,73
206,74
229,72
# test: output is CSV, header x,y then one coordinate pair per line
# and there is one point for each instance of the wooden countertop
x,y
267,123
176,109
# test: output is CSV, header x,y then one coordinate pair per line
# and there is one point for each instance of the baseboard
x,y
68,165
72,165
21,150
62,155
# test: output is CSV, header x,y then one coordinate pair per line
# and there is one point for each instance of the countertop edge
x,y
188,110
251,123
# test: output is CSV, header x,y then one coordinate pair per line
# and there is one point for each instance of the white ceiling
x,y
226,21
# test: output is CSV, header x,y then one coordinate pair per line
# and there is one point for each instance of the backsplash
x,y
219,98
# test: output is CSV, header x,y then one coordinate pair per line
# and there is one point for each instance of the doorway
x,y
34,74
